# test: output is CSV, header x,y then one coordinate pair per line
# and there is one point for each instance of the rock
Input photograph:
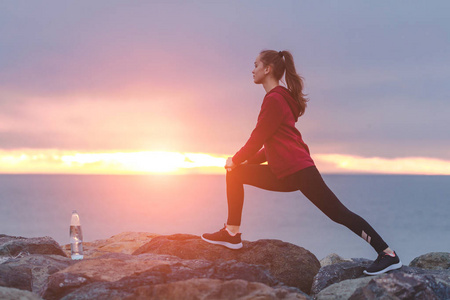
x,y
342,290
13,246
397,284
143,266
60,284
31,272
338,272
432,261
292,265
404,286
331,259
108,268
123,272
215,289
125,242
197,288
18,277
12,293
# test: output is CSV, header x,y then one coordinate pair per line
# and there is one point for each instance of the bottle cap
x,y
75,221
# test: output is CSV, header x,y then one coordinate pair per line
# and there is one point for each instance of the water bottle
x,y
76,237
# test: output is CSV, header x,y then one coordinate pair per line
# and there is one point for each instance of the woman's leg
x,y
311,184
256,175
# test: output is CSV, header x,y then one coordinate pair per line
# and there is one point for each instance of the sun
x,y
143,162
50,161
54,161
152,162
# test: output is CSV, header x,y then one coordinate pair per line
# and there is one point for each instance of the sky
x,y
121,86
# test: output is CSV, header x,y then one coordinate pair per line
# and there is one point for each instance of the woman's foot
x,y
385,262
224,238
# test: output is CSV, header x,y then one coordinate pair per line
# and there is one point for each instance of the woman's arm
x,y
258,158
269,120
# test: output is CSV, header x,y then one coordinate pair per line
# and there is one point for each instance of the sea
x,y
410,212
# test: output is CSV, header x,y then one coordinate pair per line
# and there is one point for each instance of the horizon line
x,y
59,162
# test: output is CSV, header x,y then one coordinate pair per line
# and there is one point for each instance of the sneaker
x,y
384,263
222,237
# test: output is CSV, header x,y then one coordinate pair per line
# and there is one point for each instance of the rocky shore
x,y
148,266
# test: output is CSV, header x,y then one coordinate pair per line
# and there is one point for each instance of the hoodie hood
x,y
293,104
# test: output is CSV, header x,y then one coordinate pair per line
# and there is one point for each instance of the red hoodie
x,y
284,149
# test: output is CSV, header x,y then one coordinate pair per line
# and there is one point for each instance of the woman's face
x,y
259,72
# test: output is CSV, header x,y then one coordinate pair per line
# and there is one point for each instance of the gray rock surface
x,y
196,288
331,259
31,272
18,277
432,261
118,275
13,246
12,293
184,267
400,285
405,283
292,265
342,290
337,272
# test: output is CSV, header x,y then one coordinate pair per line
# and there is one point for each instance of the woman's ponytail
x,y
286,66
294,81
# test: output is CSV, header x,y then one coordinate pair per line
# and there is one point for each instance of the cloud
x,y
176,75
401,165
142,162
48,161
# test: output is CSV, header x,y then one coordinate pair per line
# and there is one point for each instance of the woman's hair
x,y
294,81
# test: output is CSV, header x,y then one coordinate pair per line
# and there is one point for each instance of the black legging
x,y
310,183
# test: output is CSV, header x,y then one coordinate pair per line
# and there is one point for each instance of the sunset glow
x,y
403,165
50,161
70,162
130,88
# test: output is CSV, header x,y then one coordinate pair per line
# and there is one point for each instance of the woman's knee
x,y
342,215
233,176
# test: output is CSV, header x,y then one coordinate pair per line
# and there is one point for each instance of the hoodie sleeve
x,y
258,158
269,120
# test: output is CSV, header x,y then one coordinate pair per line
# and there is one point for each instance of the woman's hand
x,y
230,165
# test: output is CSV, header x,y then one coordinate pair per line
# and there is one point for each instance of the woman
x,y
290,167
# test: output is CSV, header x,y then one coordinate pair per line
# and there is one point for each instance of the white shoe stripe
x,y
226,244
387,269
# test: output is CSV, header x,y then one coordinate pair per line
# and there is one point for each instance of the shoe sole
x,y
225,244
387,269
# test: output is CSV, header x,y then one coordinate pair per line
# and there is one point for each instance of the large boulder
x,y
292,265
12,293
13,246
115,274
432,261
31,272
18,277
342,290
216,289
332,259
26,263
404,286
338,272
405,283
197,288
353,269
